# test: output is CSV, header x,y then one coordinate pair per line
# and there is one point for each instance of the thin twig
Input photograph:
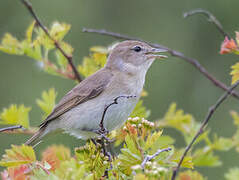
x,y
11,128
211,111
104,131
18,130
174,53
56,43
211,18
149,158
102,128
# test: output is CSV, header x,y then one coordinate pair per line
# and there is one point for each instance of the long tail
x,y
36,138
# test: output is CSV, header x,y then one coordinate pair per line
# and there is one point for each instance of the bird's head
x,y
133,56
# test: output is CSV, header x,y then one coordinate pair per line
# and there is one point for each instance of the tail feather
x,y
36,138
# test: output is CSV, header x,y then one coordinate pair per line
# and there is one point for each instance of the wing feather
x,y
87,89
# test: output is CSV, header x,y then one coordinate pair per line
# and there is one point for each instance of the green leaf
x,y
200,158
222,144
32,50
47,103
59,30
233,174
177,119
140,110
235,117
30,31
61,60
11,45
16,115
131,145
235,73
18,155
151,139
94,62
39,173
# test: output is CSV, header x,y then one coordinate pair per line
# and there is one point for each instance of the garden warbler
x,y
80,111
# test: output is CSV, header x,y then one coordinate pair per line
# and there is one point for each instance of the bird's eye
x,y
137,48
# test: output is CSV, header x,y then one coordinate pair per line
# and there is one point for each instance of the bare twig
x,y
149,158
211,18
174,53
56,43
11,128
211,111
102,128
104,131
18,130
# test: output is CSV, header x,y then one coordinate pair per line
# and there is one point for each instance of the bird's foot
x,y
103,135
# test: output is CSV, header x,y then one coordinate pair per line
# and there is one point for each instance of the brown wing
x,y
87,89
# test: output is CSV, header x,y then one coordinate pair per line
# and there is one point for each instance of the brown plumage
x,y
79,111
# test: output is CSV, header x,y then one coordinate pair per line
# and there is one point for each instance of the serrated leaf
x,y
11,45
92,63
16,115
47,103
59,30
18,155
131,145
61,60
39,173
151,139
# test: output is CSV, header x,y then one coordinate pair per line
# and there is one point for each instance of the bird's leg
x,y
103,132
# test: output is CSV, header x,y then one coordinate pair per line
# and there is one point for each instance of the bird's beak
x,y
155,53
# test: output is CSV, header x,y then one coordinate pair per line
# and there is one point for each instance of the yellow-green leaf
x,y
30,31
18,155
47,102
152,138
235,117
235,73
11,45
17,115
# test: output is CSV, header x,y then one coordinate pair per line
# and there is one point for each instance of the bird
x,y
80,111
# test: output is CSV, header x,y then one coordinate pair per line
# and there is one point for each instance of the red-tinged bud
x,y
228,46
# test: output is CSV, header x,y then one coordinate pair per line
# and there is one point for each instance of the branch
x,y
211,111
211,18
149,158
102,128
18,129
174,53
56,43
11,128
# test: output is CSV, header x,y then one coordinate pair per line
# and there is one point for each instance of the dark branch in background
x,y
57,45
11,128
211,111
211,18
174,53
149,158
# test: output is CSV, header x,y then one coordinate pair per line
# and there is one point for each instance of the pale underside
x,y
84,119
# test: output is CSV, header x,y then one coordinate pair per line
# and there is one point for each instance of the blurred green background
x,y
168,81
